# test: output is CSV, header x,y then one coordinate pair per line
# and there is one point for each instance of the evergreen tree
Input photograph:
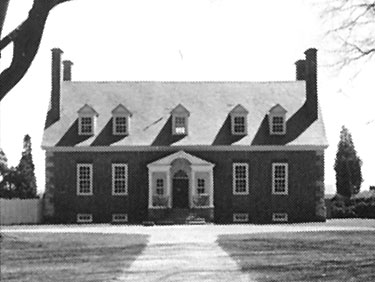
x,y
3,164
347,166
26,186
8,178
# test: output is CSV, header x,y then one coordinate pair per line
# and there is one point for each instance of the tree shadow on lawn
x,y
68,256
304,256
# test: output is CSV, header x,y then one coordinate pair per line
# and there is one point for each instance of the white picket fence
x,y
17,211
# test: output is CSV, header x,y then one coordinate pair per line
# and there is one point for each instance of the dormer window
x,y
277,121
121,116
180,120
86,120
239,120
87,125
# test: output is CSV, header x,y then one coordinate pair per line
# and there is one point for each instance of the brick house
x,y
225,151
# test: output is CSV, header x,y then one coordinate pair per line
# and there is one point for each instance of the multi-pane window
x,y
160,186
84,179
240,178
280,178
201,184
84,217
240,217
120,125
278,126
180,125
119,179
120,217
86,125
281,217
239,125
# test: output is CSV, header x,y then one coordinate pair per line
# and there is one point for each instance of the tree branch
x,y
26,40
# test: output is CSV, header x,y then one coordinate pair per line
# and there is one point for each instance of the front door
x,y
180,190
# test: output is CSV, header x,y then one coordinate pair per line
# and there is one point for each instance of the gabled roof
x,y
121,110
239,109
278,109
193,160
87,110
180,110
209,105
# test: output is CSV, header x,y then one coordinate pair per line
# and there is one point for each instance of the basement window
x,y
240,217
84,218
120,217
280,217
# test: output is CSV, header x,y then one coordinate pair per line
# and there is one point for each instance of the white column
x,y
149,188
169,190
211,188
192,187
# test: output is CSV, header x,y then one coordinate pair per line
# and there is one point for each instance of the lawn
x,y
304,256
67,256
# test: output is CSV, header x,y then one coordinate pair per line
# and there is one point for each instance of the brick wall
x,y
303,203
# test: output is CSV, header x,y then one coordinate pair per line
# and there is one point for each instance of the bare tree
x,y
26,40
351,25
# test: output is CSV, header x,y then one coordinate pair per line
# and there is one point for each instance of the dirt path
x,y
184,256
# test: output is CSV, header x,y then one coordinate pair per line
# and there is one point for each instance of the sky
x,y
187,40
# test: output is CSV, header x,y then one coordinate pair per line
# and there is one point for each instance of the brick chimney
x,y
54,112
300,69
67,70
311,82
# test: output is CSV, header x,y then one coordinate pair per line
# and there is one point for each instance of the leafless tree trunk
x,y
351,24
3,12
26,39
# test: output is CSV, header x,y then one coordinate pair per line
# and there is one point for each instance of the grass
x,y
67,256
304,256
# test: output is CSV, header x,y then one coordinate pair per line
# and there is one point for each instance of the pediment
x,y
87,110
180,110
193,160
278,110
239,110
121,110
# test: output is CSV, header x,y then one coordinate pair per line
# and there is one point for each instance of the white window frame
x,y
120,217
114,128
160,187
199,179
84,218
234,132
246,165
185,127
90,166
272,124
285,165
240,217
80,119
280,217
114,166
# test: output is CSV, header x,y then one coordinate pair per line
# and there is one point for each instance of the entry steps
x,y
179,216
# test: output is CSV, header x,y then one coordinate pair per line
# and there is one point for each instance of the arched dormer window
x,y
86,120
180,120
239,120
277,120
120,121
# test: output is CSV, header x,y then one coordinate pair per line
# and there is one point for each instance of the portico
x,y
181,181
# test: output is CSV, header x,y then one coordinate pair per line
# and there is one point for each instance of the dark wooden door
x,y
180,193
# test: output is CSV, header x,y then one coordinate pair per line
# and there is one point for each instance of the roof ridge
x,y
184,81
